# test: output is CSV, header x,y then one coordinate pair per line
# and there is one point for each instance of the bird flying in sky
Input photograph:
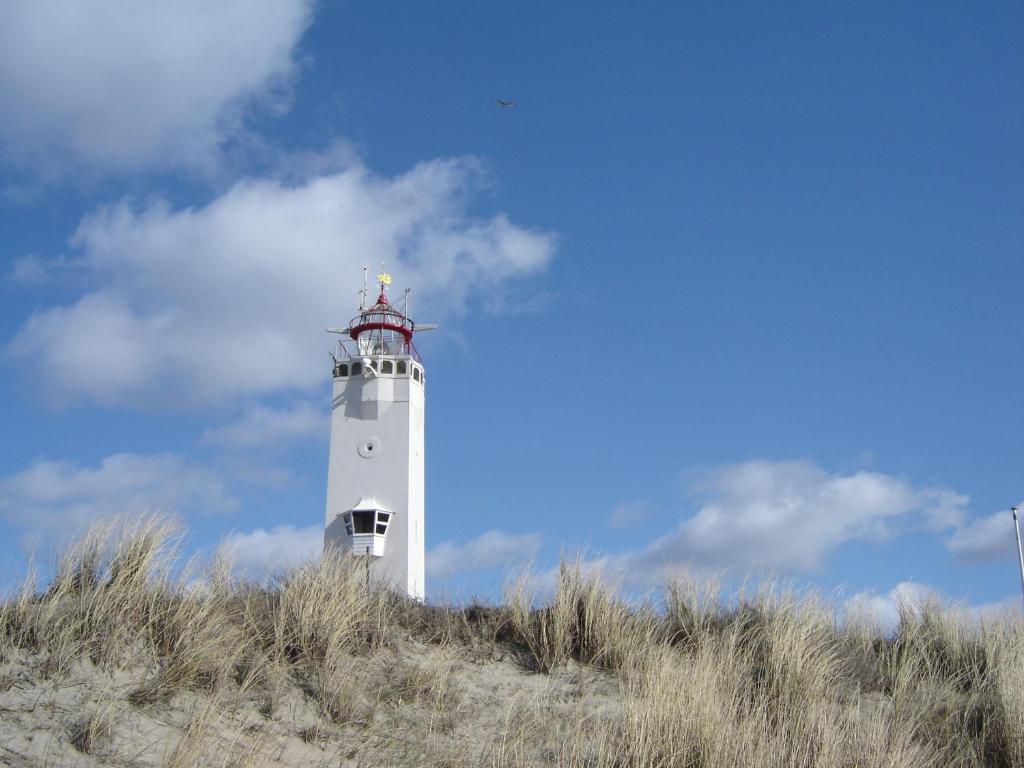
x,y
506,104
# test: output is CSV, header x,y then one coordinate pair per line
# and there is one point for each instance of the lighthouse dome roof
x,y
367,503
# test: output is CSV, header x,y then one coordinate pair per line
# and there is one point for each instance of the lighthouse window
x,y
382,522
347,517
362,522
401,368
343,369
357,368
387,367
416,373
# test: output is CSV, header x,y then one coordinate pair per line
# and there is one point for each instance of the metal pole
x,y
1020,551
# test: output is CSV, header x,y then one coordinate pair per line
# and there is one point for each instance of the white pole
x,y
1020,551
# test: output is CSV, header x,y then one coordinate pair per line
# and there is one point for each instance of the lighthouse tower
x,y
375,469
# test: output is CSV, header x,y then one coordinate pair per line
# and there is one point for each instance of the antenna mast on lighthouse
x,y
362,293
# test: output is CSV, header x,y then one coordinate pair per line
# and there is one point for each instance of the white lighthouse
x,y
375,469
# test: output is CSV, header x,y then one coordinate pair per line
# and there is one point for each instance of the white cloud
x,y
135,84
61,498
910,596
260,426
793,515
985,538
232,299
630,513
260,553
1008,607
29,270
786,516
492,549
883,611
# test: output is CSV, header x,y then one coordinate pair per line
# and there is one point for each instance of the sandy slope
x,y
123,660
408,704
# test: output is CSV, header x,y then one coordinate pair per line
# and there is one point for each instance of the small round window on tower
x,y
369,447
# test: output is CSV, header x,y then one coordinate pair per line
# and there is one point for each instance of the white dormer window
x,y
366,525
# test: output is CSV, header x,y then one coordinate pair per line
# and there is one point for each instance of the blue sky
x,y
733,287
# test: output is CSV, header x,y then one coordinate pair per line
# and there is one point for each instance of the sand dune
x,y
125,658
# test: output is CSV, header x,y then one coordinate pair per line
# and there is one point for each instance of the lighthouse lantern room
x,y
375,468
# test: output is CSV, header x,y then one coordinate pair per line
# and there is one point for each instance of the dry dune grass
x,y
129,658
